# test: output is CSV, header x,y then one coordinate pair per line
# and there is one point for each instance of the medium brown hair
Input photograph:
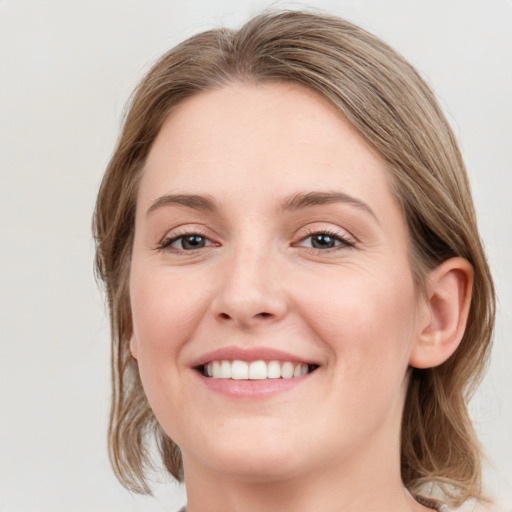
x,y
383,96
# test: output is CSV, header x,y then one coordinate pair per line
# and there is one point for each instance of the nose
x,y
251,291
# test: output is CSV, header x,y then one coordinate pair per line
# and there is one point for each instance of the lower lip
x,y
252,389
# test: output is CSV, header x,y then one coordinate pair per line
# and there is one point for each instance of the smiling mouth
x,y
255,370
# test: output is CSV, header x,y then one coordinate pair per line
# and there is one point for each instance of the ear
x,y
133,346
443,320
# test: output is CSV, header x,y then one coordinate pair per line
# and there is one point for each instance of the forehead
x,y
264,139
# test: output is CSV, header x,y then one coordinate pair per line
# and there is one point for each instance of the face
x,y
274,310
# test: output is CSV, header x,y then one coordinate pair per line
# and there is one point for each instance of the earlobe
x,y
443,322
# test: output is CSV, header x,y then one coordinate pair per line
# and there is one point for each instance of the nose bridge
x,y
248,291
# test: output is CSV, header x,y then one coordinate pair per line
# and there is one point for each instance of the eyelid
x,y
168,243
180,232
347,241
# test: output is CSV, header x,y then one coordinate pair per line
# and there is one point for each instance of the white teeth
x,y
256,370
239,370
287,370
225,370
273,370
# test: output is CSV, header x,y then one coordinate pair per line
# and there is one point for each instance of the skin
x,y
259,282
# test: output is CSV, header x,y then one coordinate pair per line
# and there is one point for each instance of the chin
x,y
261,458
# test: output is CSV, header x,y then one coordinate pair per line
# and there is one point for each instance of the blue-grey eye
x,y
190,242
185,242
324,241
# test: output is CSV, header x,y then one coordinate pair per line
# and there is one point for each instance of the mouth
x,y
254,370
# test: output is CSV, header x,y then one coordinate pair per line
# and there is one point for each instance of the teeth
x,y
287,370
225,370
273,370
239,370
256,370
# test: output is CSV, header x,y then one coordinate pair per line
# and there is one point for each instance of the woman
x,y
300,303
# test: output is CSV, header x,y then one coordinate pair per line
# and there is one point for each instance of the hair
x,y
385,98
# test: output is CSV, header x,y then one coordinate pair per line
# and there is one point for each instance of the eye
x,y
186,242
325,240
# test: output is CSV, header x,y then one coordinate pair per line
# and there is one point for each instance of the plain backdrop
x,y
66,70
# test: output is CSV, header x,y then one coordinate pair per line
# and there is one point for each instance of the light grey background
x,y
67,68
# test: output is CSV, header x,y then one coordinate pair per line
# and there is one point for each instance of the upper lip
x,y
248,354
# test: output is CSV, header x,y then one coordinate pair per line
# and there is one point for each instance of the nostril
x,y
225,315
264,314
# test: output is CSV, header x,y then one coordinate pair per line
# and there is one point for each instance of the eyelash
x,y
338,237
166,243
345,243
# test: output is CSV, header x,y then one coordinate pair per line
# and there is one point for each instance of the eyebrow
x,y
194,201
293,203
308,199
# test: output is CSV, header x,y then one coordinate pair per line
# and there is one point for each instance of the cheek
x,y
368,321
367,324
166,309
